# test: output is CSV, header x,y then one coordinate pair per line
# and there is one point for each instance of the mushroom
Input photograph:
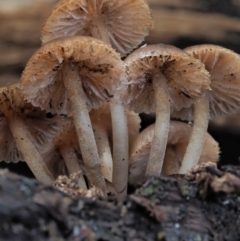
x,y
222,98
122,24
21,137
102,125
66,142
84,71
179,134
160,77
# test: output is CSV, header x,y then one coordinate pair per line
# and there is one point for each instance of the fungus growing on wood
x,y
178,138
122,24
80,70
21,136
160,77
222,98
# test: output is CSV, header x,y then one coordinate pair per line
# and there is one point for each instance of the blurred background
x,y
178,22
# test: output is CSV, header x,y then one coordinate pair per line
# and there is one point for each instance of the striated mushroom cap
x,y
223,66
13,103
43,131
40,129
179,135
127,21
66,133
100,68
186,77
8,148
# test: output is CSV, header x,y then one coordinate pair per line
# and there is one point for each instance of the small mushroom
x,y
21,133
179,134
222,98
160,77
83,71
65,142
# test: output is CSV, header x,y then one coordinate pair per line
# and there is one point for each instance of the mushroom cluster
x,y
94,96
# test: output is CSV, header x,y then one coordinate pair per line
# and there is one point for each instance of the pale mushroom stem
x,y
72,163
99,30
119,123
162,123
73,85
104,152
120,148
28,150
196,141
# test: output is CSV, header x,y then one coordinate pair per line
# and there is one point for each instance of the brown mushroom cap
x,y
67,133
43,130
178,138
223,66
127,21
186,76
40,129
100,68
9,151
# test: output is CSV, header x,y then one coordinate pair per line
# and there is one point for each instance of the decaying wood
x,y
204,206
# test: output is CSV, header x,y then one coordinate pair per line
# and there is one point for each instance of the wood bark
x,y
204,205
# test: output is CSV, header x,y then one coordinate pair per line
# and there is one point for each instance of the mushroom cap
x,y
187,78
41,131
54,162
66,133
65,136
9,151
11,99
179,135
223,66
127,21
100,68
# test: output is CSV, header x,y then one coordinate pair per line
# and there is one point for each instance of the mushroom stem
x,y
72,163
196,141
104,152
120,148
160,138
29,151
99,30
73,85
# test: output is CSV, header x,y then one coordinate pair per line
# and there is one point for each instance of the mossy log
x,y
203,206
